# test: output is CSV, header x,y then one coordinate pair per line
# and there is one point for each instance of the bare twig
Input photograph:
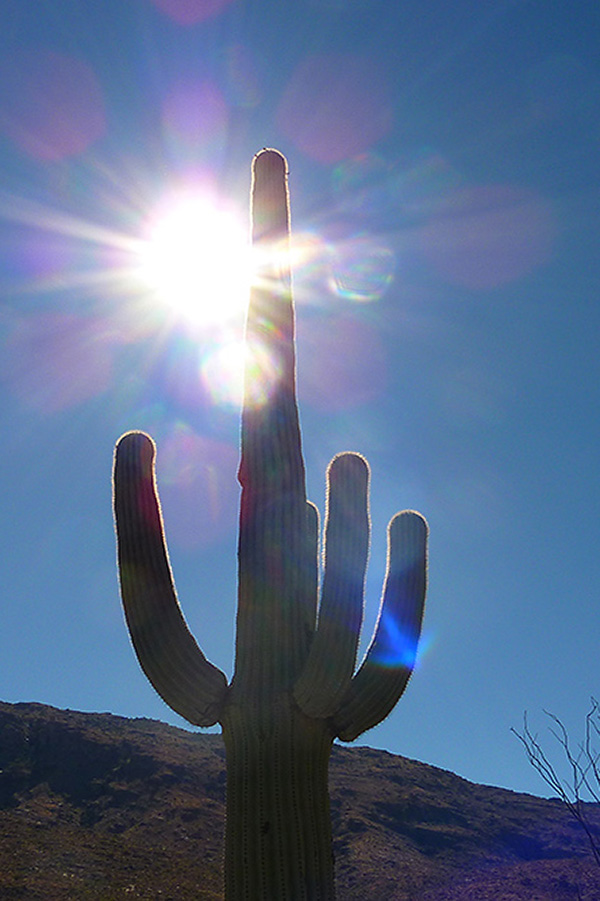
x,y
583,762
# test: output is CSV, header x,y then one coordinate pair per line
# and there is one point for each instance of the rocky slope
x,y
94,806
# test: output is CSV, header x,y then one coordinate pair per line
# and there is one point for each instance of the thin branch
x,y
584,766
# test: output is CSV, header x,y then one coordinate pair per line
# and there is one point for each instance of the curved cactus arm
x,y
390,659
332,658
166,649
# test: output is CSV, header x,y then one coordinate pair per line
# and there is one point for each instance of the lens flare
x,y
198,489
190,12
335,106
52,105
222,373
361,270
196,260
195,114
397,647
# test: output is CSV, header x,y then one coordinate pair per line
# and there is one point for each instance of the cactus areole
x,y
295,686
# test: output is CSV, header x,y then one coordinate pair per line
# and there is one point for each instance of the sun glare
x,y
196,259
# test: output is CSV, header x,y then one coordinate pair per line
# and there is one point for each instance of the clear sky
x,y
444,163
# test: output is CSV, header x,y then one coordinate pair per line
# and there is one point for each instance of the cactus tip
x,y
136,446
270,159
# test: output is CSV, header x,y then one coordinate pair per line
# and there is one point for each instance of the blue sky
x,y
444,175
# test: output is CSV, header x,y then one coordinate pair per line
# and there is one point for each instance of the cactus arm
x,y
166,649
276,553
390,659
332,659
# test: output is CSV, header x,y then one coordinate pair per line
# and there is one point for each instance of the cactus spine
x,y
294,688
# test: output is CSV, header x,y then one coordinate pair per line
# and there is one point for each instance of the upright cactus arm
x,y
390,659
166,649
326,677
326,687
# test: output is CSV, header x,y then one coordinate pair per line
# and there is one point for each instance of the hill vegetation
x,y
95,806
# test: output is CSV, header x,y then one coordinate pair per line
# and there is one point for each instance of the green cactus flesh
x,y
294,688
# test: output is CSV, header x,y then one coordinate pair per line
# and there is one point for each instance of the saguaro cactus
x,y
294,688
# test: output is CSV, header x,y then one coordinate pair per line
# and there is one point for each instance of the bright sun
x,y
196,259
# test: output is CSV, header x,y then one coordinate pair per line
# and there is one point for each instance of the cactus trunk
x,y
294,688
278,832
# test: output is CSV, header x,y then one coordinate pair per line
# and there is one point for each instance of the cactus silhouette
x,y
294,688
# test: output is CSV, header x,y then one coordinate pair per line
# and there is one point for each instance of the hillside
x,y
94,806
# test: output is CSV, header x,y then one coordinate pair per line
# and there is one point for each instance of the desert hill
x,y
95,806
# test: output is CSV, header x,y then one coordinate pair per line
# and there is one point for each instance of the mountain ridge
x,y
96,806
